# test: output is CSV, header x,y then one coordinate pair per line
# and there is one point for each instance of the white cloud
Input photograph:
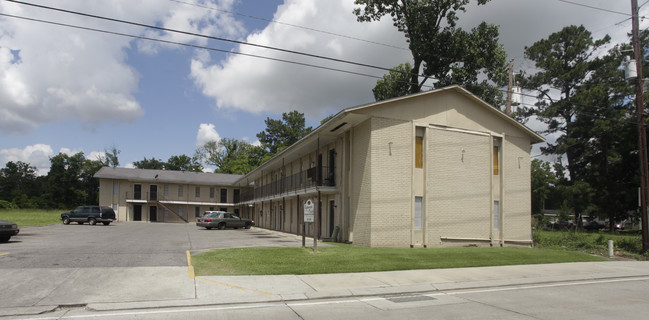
x,y
53,73
257,85
206,133
37,155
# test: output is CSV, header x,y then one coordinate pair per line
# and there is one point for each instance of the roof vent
x,y
338,127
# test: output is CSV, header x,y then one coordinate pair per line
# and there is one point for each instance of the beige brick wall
x,y
517,194
391,153
458,199
361,185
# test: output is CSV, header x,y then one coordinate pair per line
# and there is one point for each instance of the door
x,y
331,219
331,172
137,213
153,192
153,213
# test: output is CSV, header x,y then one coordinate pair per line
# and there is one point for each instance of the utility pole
x,y
642,127
508,108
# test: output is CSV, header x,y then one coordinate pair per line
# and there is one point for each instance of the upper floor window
x,y
180,191
198,192
212,192
224,195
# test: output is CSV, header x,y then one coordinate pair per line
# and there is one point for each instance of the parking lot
x,y
126,244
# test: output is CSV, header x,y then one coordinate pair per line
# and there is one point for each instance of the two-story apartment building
x,y
439,168
165,196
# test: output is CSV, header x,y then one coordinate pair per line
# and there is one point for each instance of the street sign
x,y
309,212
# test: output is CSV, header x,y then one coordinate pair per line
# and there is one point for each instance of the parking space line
x,y
4,253
190,267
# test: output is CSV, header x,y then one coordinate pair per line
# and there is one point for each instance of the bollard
x,y
610,249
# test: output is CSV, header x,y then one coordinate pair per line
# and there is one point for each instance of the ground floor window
x,y
418,213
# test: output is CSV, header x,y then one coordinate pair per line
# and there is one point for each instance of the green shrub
x,y
7,205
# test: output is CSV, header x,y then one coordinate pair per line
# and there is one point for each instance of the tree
x,y
604,128
152,163
394,84
183,163
565,60
64,187
544,183
111,159
231,155
18,184
283,133
440,50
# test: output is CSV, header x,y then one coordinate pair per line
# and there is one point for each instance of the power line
x,y
596,8
206,36
290,25
194,46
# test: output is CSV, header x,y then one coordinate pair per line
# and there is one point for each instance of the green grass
x,y
626,244
31,217
341,258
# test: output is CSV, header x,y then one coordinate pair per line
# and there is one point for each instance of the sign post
x,y
309,217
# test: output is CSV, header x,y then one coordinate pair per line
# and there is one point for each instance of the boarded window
x,y
419,152
496,161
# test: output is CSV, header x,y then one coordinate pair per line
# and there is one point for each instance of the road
x,y
594,299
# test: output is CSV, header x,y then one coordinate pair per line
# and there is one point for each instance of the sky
x,y
69,90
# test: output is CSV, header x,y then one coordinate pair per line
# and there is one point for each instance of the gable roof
x,y
168,176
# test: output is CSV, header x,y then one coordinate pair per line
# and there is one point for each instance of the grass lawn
x,y
341,258
31,217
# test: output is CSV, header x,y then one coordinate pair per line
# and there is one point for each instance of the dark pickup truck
x,y
90,214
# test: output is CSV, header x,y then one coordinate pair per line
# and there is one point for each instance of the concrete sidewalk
x,y
104,289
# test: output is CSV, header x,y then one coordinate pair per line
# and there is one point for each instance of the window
x,y
237,195
418,213
198,192
180,211
496,215
165,190
224,195
115,188
496,161
212,192
180,191
197,212
419,147
137,191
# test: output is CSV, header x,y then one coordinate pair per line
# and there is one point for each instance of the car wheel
x,y
221,226
106,223
66,220
5,238
248,225
92,221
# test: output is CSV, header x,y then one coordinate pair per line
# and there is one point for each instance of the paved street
x,y
593,299
139,270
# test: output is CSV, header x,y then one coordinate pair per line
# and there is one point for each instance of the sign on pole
x,y
309,212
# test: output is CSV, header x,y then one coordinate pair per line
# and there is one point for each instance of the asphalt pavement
x,y
40,290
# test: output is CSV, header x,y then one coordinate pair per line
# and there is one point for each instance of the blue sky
x,y
69,90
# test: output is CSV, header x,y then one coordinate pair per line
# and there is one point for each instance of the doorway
x,y
137,212
153,192
331,218
153,213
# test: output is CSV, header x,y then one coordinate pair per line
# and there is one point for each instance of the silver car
x,y
222,220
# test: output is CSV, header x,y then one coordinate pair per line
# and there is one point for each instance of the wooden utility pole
x,y
642,127
508,109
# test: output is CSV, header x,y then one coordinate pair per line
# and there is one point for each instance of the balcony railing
x,y
304,180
